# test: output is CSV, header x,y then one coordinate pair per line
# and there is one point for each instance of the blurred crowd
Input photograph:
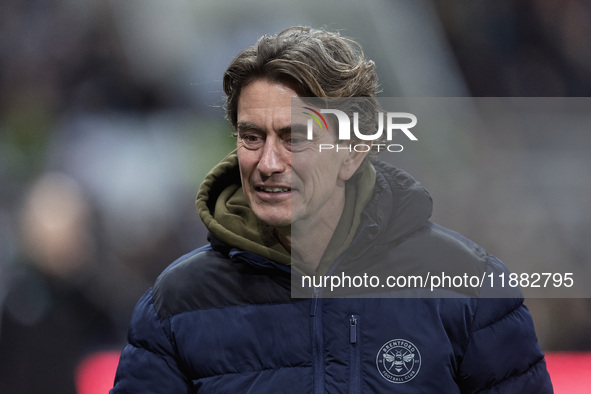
x,y
521,48
103,148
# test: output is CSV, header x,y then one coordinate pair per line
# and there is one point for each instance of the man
x,y
222,319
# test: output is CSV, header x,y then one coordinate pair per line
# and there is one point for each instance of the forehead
x,y
265,98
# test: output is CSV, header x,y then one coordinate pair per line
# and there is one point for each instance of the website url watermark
x,y
441,280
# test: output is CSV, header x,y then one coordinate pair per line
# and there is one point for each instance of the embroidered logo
x,y
398,361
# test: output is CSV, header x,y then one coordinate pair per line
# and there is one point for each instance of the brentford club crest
x,y
398,361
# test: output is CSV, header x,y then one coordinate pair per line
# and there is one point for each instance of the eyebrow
x,y
247,126
298,128
282,130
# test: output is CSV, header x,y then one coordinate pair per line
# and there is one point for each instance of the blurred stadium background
x,y
110,116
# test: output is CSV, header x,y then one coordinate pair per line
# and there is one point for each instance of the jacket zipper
x,y
355,354
317,341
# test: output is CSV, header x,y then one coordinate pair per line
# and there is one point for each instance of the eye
x,y
251,140
296,141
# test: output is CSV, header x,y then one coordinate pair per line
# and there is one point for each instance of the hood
x,y
222,206
399,206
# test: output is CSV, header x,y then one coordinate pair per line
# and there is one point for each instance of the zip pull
x,y
355,353
314,302
353,329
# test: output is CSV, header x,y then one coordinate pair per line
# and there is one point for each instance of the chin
x,y
273,219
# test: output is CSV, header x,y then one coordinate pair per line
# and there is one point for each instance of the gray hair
x,y
317,62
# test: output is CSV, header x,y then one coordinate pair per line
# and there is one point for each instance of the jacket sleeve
x,y
148,364
503,354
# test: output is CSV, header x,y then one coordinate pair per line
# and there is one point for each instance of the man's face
x,y
284,177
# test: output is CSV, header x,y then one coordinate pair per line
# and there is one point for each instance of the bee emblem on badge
x,y
398,361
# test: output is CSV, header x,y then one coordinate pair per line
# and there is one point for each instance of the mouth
x,y
272,189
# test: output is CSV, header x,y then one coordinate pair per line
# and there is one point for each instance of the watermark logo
x,y
387,123
398,361
315,115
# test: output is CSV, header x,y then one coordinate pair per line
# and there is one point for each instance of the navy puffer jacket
x,y
222,320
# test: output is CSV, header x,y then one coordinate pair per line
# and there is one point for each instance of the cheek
x,y
246,162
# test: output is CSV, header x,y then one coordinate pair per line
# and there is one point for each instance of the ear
x,y
352,162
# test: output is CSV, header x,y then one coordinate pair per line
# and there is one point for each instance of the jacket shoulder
x,y
207,278
438,250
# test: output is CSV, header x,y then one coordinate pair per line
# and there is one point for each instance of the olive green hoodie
x,y
223,208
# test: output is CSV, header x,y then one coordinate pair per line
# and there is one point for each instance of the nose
x,y
274,158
